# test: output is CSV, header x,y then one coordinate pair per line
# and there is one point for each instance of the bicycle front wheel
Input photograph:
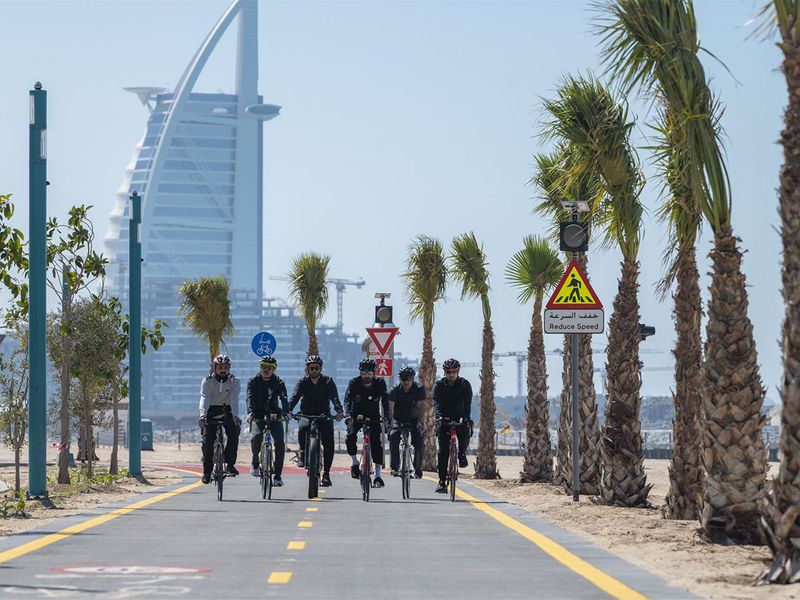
x,y
219,468
312,456
366,468
452,472
406,473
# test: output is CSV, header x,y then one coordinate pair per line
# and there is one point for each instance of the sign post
x,y
574,308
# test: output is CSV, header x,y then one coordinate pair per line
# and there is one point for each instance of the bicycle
x,y
266,460
452,456
406,462
219,474
366,456
313,453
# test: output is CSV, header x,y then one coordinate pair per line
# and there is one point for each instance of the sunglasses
x,y
450,371
267,368
314,368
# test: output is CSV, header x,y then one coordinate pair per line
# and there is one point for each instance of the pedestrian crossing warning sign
x,y
574,290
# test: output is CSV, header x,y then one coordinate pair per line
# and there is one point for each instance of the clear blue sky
x,y
399,118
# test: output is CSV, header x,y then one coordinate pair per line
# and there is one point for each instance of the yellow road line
x,y
80,527
280,577
612,587
312,509
315,498
296,546
305,524
195,473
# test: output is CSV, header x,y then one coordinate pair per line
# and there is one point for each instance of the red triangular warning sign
x,y
382,337
574,290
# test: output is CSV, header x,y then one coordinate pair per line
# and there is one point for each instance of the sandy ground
x,y
670,549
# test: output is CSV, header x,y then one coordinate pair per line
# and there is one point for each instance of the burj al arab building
x,y
198,169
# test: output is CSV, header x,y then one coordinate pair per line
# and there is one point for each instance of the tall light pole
x,y
37,293
135,339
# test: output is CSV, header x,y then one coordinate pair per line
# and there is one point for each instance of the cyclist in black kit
x,y
364,397
266,394
452,399
316,392
405,399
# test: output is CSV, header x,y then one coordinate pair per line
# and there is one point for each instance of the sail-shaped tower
x,y
198,168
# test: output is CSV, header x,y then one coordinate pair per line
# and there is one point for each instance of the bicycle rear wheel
x,y
312,456
366,468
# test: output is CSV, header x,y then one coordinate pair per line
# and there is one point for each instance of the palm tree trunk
x,y
779,518
623,481
427,376
313,347
486,460
590,438
538,463
734,455
685,474
563,474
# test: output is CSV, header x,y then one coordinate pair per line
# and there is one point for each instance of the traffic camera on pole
x,y
383,313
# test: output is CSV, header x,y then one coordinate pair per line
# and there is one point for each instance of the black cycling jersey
x,y
362,400
315,399
266,394
406,403
452,400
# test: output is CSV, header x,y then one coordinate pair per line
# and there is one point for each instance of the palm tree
x,y
468,267
534,270
308,290
645,41
550,177
586,116
426,279
779,512
732,394
207,309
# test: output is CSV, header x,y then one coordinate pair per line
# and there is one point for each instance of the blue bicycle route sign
x,y
264,343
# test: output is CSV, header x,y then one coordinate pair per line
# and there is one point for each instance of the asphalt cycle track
x,y
181,542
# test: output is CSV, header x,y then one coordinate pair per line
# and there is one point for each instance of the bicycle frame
x,y
366,455
266,456
405,456
218,474
313,451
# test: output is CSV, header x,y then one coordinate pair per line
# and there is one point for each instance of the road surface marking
x,y
296,546
315,498
608,584
312,509
280,577
80,527
305,524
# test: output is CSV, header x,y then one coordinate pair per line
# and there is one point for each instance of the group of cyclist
x,y
367,402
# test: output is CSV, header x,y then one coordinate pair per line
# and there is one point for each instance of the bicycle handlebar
x,y
299,416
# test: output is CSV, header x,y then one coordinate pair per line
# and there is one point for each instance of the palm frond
x,y
533,269
468,266
653,44
206,309
426,279
308,288
587,117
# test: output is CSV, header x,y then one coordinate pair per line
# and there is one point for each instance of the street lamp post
x,y
37,294
135,339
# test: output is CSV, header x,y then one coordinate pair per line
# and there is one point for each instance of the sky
x,y
398,119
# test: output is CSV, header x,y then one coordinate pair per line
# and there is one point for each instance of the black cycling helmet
x,y
222,359
314,359
451,363
268,360
367,364
406,373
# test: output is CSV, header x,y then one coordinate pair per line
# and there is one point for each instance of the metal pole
x,y
135,348
37,290
576,413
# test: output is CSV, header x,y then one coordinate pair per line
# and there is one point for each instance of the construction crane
x,y
604,375
340,287
522,358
